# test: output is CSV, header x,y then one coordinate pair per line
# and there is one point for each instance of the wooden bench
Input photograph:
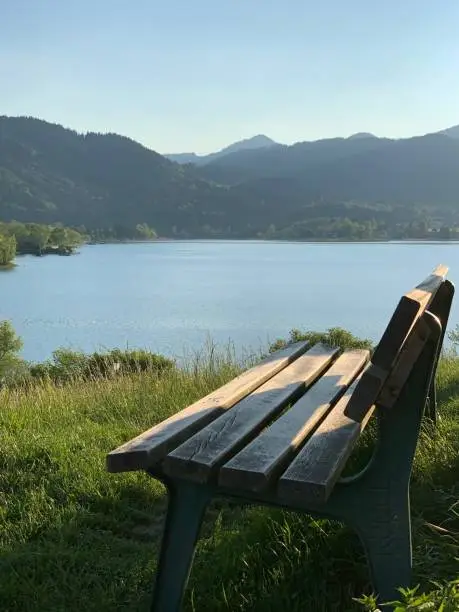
x,y
242,442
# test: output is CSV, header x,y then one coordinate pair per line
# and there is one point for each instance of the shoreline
x,y
278,241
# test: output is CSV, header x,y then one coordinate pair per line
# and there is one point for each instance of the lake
x,y
170,297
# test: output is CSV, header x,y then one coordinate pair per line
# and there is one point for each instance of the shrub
x,y
10,344
67,365
334,337
12,368
444,597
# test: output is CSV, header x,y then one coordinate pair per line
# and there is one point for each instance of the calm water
x,y
170,297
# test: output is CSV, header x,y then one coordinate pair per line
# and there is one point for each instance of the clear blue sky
x,y
195,75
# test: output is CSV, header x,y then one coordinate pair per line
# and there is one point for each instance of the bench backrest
x,y
401,344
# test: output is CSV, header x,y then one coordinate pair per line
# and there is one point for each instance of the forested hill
x,y
48,174
355,187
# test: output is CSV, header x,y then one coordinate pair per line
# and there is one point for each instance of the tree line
x,y
36,239
324,228
120,232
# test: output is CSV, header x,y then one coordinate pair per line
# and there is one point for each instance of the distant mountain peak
x,y
360,135
255,142
260,141
452,132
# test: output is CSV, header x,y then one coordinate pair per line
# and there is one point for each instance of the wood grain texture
x,y
404,364
366,393
152,445
257,464
386,355
422,292
199,457
409,309
315,470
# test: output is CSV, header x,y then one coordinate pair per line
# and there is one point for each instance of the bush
x,y
334,337
13,369
67,365
453,337
10,343
444,597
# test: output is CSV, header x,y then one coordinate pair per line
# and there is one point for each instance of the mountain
x,y
394,181
452,132
256,142
50,174
285,161
360,135
185,158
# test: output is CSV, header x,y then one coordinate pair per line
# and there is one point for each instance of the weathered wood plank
x,y
257,464
199,457
427,288
152,445
409,309
367,391
318,465
404,364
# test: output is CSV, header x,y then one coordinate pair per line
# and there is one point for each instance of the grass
x,y
74,537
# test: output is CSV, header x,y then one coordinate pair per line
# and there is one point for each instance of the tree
x,y
58,237
144,232
38,236
10,344
13,369
270,232
74,238
7,249
65,237
444,233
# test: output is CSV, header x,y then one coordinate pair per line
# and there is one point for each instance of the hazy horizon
x,y
195,78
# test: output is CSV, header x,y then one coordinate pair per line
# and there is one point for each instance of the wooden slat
x,y
404,364
258,463
410,308
317,467
367,391
152,445
199,457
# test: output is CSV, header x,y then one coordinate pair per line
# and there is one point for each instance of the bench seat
x,y
281,434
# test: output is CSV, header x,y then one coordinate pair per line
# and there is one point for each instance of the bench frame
x,y
375,502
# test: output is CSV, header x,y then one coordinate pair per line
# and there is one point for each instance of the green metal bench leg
x,y
186,508
390,552
377,508
377,504
387,544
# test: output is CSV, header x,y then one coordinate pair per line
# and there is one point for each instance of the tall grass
x,y
74,537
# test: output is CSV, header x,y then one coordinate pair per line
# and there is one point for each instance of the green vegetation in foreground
x,y
74,537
